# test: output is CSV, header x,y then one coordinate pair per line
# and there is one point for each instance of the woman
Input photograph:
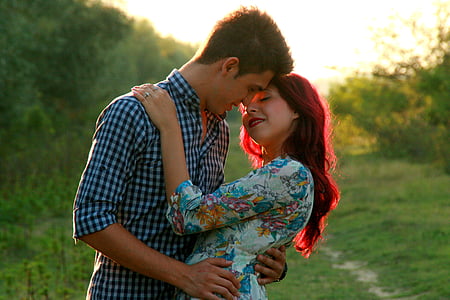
x,y
286,133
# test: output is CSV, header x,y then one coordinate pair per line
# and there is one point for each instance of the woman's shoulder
x,y
291,171
288,176
288,164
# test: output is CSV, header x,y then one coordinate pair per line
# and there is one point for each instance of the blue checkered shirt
x,y
123,183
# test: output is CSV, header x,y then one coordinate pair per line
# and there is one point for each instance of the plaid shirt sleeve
x,y
122,132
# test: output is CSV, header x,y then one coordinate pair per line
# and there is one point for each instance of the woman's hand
x,y
158,105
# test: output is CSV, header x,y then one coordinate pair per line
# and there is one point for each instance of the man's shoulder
x,y
124,109
125,100
124,104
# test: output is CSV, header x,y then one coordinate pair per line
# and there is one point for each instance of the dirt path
x,y
363,274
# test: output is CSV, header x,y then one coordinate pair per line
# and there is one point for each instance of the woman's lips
x,y
254,121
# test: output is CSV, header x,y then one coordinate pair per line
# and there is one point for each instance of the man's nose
x,y
247,100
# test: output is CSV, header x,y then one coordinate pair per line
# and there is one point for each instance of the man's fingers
x,y
230,281
221,286
224,292
209,296
211,277
220,262
230,284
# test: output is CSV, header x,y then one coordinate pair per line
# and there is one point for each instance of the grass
x,y
40,260
315,278
392,220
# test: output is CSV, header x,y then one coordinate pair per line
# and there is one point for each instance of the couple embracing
x,y
152,199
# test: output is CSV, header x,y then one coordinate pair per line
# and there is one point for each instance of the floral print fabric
x,y
241,219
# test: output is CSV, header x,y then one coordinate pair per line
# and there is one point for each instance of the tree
x,y
408,45
404,102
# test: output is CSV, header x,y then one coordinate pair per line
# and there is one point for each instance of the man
x,y
120,205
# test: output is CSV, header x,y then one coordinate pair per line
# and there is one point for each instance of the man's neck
x,y
200,77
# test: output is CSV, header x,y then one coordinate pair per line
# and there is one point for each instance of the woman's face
x,y
268,119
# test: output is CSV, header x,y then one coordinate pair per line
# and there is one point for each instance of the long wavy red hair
x,y
310,143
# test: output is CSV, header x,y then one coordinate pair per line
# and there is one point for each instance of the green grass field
x,y
388,238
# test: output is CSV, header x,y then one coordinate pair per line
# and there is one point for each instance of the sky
x,y
322,34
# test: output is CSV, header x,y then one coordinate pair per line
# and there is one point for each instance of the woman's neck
x,y
270,154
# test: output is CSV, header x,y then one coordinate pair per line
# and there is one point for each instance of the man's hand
x,y
208,278
274,261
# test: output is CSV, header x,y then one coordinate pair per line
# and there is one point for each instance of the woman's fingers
x,y
158,105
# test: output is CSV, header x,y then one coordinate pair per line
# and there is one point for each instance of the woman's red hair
x,y
310,144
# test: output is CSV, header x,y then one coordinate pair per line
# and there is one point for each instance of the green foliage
x,y
143,56
60,63
59,47
391,111
15,70
41,261
434,83
402,109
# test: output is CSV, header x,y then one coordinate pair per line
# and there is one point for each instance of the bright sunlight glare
x,y
326,37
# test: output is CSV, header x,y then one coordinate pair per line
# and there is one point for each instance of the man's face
x,y
231,90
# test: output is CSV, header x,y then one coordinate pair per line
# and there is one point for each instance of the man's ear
x,y
230,65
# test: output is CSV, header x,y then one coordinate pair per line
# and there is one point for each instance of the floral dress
x,y
241,219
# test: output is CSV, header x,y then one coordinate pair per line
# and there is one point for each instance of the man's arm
x,y
201,280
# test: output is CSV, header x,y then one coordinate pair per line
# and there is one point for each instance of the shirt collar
x,y
183,91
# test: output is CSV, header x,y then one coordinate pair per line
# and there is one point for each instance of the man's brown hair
x,y
252,36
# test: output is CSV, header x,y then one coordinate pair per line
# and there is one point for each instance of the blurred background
x,y
382,65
